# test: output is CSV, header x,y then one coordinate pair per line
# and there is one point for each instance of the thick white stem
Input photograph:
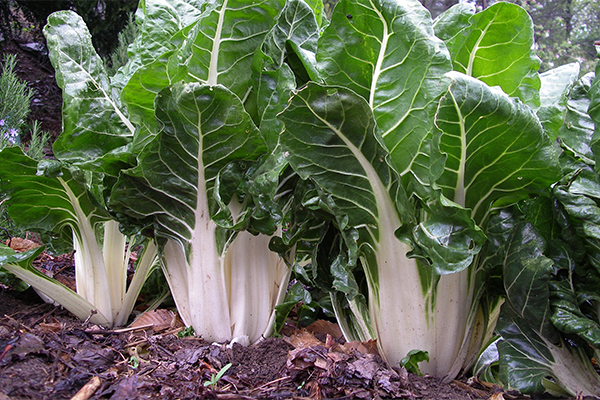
x,y
404,323
113,251
257,276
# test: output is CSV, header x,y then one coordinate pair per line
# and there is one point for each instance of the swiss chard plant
x,y
208,164
381,154
547,249
48,199
412,147
66,199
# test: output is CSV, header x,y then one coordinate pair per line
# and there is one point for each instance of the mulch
x,y
46,353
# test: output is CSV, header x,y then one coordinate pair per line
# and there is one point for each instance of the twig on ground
x,y
88,389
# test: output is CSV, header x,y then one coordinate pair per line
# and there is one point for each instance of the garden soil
x,y
46,353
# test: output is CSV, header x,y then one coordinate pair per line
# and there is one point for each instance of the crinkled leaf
x,y
388,54
159,21
96,129
330,139
594,113
224,41
497,47
273,78
495,145
568,317
204,128
531,350
449,23
578,128
556,84
450,239
217,47
526,275
44,204
579,195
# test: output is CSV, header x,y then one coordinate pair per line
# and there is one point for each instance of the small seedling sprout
x,y
216,377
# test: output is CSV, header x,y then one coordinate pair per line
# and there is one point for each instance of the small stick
x,y
118,331
88,389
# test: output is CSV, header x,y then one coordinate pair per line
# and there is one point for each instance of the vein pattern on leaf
x,y
494,146
397,65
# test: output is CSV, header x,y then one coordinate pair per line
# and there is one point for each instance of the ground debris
x,y
48,354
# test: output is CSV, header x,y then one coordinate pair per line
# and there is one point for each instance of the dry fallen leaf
x,y
303,338
325,328
158,319
20,245
368,347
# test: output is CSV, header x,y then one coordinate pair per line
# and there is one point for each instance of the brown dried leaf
x,y
28,343
20,245
51,327
325,328
158,319
369,347
303,338
366,367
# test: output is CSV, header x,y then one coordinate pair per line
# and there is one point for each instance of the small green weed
x,y
188,331
214,379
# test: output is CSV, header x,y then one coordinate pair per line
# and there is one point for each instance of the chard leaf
x,y
452,21
224,41
498,48
533,356
388,54
568,317
20,264
141,91
42,203
330,138
594,113
496,148
578,193
555,88
578,128
318,10
216,49
273,78
449,238
327,138
159,22
96,130
204,128
61,206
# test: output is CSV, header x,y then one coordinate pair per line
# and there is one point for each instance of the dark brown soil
x,y
45,353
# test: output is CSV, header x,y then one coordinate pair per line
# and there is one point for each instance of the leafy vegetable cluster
x,y
420,172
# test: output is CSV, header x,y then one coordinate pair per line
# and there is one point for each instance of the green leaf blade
x,y
495,147
389,55
94,124
497,48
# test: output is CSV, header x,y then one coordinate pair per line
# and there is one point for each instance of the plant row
x,y
421,173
